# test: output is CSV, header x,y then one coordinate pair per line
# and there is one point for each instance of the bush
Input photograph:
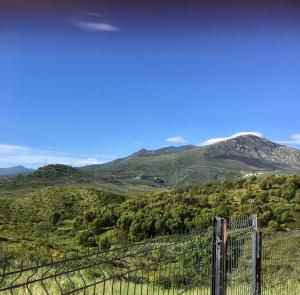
x,y
273,226
86,239
104,243
55,218
196,256
288,193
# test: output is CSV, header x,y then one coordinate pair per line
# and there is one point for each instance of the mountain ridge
x,y
190,164
172,167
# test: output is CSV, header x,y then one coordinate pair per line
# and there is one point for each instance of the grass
x,y
112,287
126,287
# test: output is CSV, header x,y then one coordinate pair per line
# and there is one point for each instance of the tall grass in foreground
x,y
123,287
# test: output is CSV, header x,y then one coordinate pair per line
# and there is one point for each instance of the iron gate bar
x,y
254,254
256,257
219,258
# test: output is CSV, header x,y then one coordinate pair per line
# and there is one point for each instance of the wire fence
x,y
281,268
227,258
174,264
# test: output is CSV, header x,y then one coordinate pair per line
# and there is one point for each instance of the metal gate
x,y
236,257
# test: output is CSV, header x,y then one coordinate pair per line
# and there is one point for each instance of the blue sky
x,y
84,86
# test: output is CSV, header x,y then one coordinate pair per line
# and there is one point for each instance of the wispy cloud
x,y
12,149
218,139
176,139
95,26
93,21
11,155
294,139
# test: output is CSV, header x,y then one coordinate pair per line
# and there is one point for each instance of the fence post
x,y
219,256
259,264
256,257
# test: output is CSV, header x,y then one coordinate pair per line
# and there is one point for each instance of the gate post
x,y
256,257
219,256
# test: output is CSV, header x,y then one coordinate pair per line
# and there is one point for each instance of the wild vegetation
x,y
40,221
55,210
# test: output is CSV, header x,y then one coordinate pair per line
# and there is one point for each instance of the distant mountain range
x,y
13,171
175,166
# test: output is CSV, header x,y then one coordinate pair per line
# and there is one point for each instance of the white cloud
x,y
294,139
176,139
95,26
218,139
11,155
88,161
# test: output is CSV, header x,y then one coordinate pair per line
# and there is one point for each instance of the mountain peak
x,y
249,140
15,170
256,152
248,137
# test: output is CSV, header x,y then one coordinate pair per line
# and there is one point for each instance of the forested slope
x,y
71,217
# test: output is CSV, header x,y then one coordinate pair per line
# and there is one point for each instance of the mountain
x,y
170,167
258,153
15,170
177,166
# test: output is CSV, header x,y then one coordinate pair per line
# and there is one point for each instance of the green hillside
x,y
72,217
45,176
60,175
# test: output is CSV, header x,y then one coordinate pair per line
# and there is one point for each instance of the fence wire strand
x,y
165,265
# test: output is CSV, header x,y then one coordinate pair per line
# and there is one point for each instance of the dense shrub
x,y
75,216
86,239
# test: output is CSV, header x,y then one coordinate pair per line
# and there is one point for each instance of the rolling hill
x,y
57,175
